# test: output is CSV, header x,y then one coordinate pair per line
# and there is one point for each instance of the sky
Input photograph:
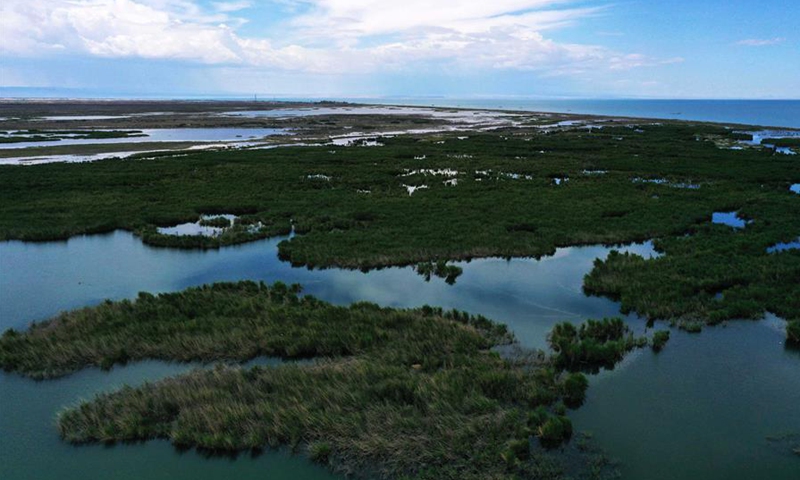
x,y
372,48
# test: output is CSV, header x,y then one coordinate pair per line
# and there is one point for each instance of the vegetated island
x,y
428,199
391,393
35,135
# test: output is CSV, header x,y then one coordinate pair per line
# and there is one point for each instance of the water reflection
x,y
701,409
39,280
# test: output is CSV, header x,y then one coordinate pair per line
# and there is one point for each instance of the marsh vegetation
x,y
391,393
338,226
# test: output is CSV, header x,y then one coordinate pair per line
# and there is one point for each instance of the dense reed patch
x,y
392,393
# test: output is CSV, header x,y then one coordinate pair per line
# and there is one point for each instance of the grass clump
x,y
793,332
660,339
574,389
439,269
593,345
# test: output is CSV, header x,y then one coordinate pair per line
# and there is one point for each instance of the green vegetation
x,y
395,393
660,339
492,214
782,142
440,269
34,138
793,332
25,136
592,345
218,222
741,136
574,391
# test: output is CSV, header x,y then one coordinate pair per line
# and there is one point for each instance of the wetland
x,y
531,249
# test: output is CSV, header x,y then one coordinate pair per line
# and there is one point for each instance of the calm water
x,y
731,219
699,410
163,135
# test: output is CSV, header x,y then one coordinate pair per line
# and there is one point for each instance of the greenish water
x,y
701,409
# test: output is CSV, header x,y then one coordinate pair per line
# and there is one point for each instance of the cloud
x,y
231,6
321,36
760,42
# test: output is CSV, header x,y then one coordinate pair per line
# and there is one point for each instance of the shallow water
x,y
194,228
654,412
702,408
730,219
782,247
164,135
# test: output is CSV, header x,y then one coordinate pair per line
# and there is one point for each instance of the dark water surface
x,y
701,409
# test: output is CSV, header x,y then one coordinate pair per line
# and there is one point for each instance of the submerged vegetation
x,y
391,393
637,189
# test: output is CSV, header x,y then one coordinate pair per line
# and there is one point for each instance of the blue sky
x,y
352,48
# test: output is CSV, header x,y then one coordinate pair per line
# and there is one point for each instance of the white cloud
x,y
329,36
234,6
760,42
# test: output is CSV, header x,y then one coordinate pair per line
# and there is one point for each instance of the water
x,y
782,247
195,228
699,410
773,113
702,408
731,219
164,135
38,280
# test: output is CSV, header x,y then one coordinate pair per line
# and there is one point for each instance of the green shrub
x,y
660,339
555,431
320,452
574,389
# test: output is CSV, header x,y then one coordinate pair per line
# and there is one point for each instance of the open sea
x,y
768,113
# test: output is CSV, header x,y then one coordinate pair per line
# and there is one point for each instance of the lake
x,y
701,409
162,135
